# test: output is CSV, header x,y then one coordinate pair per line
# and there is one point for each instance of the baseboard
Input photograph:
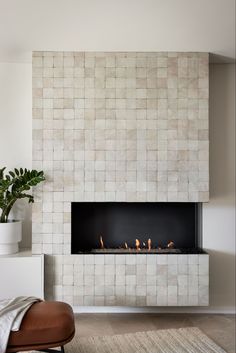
x,y
153,310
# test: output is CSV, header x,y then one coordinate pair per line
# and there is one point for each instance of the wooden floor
x,y
221,328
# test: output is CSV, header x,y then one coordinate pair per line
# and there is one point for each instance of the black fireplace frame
x,y
195,207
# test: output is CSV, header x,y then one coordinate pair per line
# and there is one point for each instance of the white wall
x,y
219,214
111,25
16,128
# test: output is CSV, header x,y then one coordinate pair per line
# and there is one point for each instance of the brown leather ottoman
x,y
45,325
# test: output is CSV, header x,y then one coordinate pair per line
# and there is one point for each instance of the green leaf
x,y
2,172
12,187
12,174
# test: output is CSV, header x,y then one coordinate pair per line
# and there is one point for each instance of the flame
x,y
101,243
149,244
171,244
137,244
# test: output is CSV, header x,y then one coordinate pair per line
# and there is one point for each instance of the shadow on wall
x,y
220,59
219,213
22,210
50,278
222,129
227,264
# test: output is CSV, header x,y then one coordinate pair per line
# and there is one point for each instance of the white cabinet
x,y
21,274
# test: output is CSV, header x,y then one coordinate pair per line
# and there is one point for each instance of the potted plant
x,y
13,186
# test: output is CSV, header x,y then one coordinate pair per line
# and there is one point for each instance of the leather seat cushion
x,y
44,323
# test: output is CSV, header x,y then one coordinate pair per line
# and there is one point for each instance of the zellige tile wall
x,y
115,127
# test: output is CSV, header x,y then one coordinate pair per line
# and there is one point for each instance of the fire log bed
x,y
142,248
144,251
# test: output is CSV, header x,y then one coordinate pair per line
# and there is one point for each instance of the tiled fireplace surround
x,y
119,127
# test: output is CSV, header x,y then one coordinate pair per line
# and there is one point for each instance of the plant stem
x,y
6,211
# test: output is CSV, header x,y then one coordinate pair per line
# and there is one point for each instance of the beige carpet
x,y
184,340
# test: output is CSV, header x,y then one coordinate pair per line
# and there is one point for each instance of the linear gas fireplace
x,y
136,228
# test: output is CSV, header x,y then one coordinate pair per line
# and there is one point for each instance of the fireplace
x,y
136,228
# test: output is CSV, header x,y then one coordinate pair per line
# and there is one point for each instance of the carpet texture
x,y
184,340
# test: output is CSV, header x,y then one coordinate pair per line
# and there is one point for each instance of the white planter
x,y
10,236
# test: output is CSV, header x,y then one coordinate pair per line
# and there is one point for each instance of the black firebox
x,y
139,227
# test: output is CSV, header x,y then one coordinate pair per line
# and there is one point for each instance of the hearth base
x,y
129,280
